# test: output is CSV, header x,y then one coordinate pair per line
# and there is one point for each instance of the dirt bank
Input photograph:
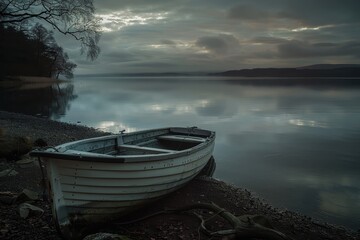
x,y
169,226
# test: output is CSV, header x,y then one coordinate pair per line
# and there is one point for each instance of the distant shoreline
x,y
32,79
28,82
311,71
251,81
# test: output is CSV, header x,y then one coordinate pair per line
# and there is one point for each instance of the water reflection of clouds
x,y
307,123
171,101
338,196
163,108
314,181
319,101
289,144
333,196
114,127
343,204
174,109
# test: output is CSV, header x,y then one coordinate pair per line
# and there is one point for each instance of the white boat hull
x,y
89,191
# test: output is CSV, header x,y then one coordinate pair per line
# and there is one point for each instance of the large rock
x,y
12,148
106,236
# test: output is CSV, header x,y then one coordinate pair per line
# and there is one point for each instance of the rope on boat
x,y
43,177
43,181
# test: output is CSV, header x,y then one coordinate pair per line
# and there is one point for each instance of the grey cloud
x,y
215,44
307,12
268,40
303,49
237,34
120,56
151,65
322,12
167,42
104,5
248,12
218,44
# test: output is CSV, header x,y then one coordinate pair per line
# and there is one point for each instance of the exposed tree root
x,y
245,226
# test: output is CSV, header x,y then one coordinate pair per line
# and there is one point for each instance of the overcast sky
x,y
218,35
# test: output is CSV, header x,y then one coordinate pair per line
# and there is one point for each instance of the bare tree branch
x,y
69,17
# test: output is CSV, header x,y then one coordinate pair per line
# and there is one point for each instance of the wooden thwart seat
x,y
146,149
181,138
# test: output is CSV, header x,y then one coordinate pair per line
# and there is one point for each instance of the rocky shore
x,y
15,176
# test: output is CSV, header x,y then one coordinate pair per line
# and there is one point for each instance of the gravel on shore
x,y
170,226
53,132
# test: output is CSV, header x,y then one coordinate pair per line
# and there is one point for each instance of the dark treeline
x,y
32,52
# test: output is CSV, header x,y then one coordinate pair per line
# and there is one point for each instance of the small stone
x,y
25,162
8,173
26,209
27,195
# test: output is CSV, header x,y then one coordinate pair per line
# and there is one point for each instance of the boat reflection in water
x,y
209,168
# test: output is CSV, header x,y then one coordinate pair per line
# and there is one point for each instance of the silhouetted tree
x,y
61,64
33,54
50,57
70,17
15,52
43,42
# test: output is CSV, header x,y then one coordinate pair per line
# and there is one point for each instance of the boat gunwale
x,y
51,153
133,171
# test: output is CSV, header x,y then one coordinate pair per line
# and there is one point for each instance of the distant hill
x,y
329,66
319,70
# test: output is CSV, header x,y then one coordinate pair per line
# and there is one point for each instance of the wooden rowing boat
x,y
99,179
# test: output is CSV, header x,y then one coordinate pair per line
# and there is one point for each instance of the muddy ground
x,y
165,226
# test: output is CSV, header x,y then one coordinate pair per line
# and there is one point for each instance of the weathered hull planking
x,y
100,179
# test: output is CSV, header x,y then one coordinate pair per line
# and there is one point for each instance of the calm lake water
x,y
296,146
